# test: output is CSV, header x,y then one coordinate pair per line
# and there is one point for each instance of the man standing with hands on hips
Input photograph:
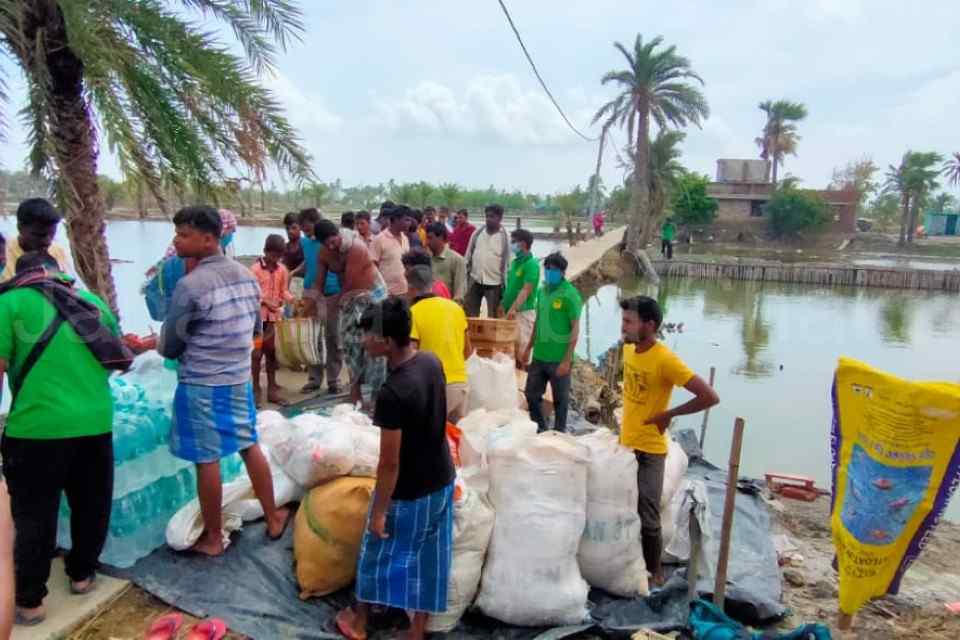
x,y
650,372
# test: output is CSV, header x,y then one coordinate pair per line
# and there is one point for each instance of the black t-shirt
x,y
414,400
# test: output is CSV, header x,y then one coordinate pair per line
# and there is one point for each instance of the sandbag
x,y
321,450
366,450
327,534
275,432
296,342
610,554
472,527
492,383
186,526
478,430
674,469
248,507
538,489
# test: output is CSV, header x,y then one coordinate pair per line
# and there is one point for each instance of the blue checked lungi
x,y
210,423
410,569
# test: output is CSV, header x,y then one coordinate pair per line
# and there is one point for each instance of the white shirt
x,y
488,258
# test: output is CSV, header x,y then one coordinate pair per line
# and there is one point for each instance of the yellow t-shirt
x,y
648,382
440,326
14,253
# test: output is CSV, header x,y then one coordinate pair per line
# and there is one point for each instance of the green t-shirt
x,y
557,309
668,231
66,394
523,271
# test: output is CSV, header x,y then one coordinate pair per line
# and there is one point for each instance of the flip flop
x,y
345,628
209,629
165,627
283,529
20,621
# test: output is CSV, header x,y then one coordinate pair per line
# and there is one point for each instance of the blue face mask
x,y
553,277
516,248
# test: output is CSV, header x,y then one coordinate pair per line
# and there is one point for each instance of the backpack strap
x,y
38,348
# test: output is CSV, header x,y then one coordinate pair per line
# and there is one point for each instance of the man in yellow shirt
x,y
440,327
650,372
37,222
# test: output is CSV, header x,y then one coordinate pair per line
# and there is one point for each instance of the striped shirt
x,y
211,322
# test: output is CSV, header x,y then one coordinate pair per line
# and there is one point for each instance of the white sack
x,y
479,430
675,468
611,555
492,382
321,450
692,495
538,490
248,508
186,525
366,450
472,527
275,432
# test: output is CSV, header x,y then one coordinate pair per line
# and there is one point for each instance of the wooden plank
x,y
729,506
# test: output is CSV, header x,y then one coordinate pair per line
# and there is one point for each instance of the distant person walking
x,y
448,266
273,279
554,339
210,328
405,555
462,232
520,295
487,256
599,218
37,223
388,248
650,372
667,233
440,327
56,346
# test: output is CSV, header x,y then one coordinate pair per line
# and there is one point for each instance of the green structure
x,y
943,223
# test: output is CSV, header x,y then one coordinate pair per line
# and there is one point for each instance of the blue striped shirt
x,y
213,315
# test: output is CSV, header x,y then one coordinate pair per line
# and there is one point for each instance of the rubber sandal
x,y
77,591
210,629
345,629
21,621
283,529
165,627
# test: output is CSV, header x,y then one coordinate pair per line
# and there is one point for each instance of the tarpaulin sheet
x,y
253,587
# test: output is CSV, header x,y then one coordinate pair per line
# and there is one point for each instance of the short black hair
x,y
463,212
438,229
386,205
347,219
310,215
429,210
555,261
325,229
495,209
644,306
200,217
444,210
417,257
399,211
36,260
291,219
274,242
37,211
522,235
363,215
417,215
389,319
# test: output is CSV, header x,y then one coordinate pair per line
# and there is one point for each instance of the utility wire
x,y
537,73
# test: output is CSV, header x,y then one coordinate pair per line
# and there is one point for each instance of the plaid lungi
x,y
210,423
410,569
373,371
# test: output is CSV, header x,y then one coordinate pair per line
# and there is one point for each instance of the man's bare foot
x,y
657,579
277,524
209,545
27,617
273,395
348,623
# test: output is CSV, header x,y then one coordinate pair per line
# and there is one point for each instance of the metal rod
x,y
706,414
729,505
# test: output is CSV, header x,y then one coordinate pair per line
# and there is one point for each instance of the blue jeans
x,y
538,375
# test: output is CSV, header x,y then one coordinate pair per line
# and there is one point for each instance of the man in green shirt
x,y
667,233
554,339
520,296
57,439
449,267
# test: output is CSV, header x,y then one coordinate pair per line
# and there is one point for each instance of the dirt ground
x,y
810,586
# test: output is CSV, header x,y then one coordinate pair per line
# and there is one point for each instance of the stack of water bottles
x,y
150,485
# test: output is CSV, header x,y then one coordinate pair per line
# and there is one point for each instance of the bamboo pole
x,y
729,504
706,414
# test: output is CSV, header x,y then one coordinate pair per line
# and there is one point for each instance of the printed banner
x,y
896,462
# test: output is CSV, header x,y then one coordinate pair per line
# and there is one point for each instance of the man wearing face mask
x,y
555,333
520,294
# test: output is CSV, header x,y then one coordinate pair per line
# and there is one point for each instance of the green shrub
x,y
690,202
792,211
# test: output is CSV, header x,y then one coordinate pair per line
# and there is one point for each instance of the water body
x,y
775,348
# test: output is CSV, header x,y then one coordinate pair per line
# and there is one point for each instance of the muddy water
x,y
775,348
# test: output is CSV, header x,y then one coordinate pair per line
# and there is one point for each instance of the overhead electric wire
x,y
540,78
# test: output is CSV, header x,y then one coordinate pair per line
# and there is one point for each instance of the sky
x,y
440,91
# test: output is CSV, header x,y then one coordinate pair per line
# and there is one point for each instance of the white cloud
x,y
306,112
495,108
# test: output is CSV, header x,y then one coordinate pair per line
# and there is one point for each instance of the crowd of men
x,y
393,295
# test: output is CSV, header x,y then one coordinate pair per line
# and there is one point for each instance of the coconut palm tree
x,y
665,172
655,85
144,79
951,169
913,179
779,137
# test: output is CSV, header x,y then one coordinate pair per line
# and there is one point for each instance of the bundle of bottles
x,y
150,485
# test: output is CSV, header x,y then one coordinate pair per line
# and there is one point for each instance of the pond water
x,y
775,348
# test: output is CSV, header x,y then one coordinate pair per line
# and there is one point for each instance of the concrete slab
x,y
583,256
65,611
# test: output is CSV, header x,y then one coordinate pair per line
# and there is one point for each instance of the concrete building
x,y
943,223
743,188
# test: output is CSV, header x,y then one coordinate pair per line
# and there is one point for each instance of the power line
x,y
537,73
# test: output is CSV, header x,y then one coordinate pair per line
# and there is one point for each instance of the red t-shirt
x,y
440,289
460,238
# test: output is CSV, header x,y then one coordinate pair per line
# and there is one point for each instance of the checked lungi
x,y
212,422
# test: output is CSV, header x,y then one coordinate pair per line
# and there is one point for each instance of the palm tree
x,y
942,202
654,85
171,102
913,179
779,137
951,169
450,194
665,172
